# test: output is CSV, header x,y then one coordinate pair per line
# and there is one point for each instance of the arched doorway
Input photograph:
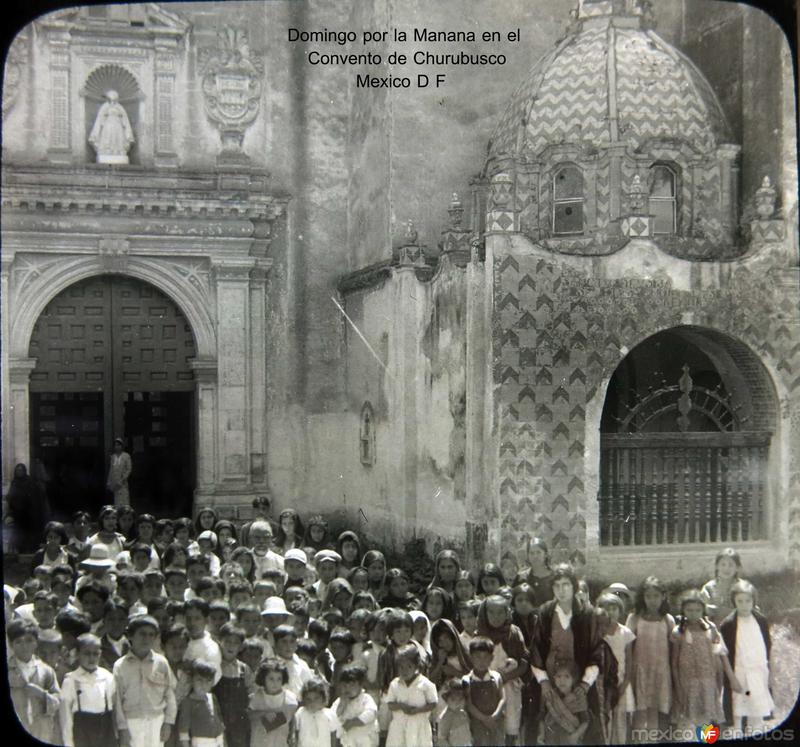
x,y
686,431
112,359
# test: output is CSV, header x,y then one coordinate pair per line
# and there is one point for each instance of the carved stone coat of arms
x,y
232,84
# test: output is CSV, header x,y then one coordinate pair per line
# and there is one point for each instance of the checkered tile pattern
x,y
659,93
559,333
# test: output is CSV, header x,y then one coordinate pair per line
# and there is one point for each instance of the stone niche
x,y
136,51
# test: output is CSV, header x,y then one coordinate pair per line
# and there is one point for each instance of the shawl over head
x,y
442,626
204,510
349,536
507,634
416,616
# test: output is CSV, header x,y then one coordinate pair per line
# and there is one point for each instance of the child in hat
x,y
326,563
295,563
273,615
97,567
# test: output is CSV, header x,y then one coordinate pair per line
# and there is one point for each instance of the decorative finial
x,y
456,211
411,233
637,194
686,385
765,199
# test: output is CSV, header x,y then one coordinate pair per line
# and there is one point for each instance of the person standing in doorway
x,y
118,474
25,510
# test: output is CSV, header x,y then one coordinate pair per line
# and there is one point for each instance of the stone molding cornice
x,y
207,196
158,23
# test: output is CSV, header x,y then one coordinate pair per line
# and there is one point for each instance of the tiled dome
x,y
610,81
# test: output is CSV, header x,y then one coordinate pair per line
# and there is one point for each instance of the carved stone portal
x,y
232,84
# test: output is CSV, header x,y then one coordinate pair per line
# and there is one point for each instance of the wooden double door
x,y
113,361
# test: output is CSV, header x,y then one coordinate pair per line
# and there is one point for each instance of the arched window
x,y
568,200
686,434
663,203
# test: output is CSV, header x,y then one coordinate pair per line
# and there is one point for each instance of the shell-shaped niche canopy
x,y
112,78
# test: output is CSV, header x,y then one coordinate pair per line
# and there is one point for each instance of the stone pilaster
x,y
408,304
258,378
206,377
16,410
165,90
232,281
60,115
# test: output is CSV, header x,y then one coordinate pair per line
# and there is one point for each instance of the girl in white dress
x,y
411,698
355,710
272,705
746,635
314,724
620,638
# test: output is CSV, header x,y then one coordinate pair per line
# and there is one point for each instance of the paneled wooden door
x,y
112,360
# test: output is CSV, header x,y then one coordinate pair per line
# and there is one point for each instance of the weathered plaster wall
x,y
561,327
416,329
369,147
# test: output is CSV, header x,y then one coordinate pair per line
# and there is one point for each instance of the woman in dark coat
x,y
27,506
568,631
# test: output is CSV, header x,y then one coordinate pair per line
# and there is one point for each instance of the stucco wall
x,y
408,362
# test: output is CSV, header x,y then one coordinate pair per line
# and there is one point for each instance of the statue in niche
x,y
112,135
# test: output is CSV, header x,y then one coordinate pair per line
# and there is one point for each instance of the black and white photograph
x,y
400,373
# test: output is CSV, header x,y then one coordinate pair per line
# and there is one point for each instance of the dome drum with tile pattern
x,y
614,100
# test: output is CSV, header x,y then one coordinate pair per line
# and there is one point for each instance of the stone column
x,y
5,336
258,379
728,155
205,377
232,279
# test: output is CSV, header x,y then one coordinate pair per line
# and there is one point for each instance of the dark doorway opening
x,y
158,431
67,450
112,359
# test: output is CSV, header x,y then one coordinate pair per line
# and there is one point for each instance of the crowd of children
x,y
205,634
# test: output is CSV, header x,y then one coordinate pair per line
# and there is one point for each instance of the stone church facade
x,y
273,288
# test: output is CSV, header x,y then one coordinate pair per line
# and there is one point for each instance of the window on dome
x,y
568,200
663,190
